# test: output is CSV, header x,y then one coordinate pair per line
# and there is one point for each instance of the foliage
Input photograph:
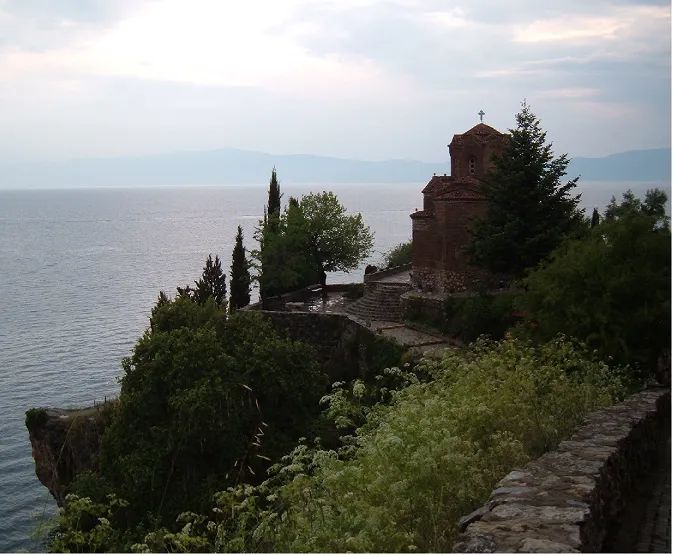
x,y
240,275
596,217
474,315
398,255
653,207
213,283
204,401
285,259
273,204
273,250
466,316
416,464
611,286
35,419
87,526
313,236
337,241
529,211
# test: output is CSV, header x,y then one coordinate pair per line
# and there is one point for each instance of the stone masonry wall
x,y
346,348
566,500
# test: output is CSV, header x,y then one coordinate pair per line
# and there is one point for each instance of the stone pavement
x,y
645,525
423,342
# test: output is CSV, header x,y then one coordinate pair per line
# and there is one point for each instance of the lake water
x,y
80,270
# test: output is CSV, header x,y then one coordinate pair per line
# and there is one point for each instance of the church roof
x,y
436,184
440,184
422,214
482,129
481,133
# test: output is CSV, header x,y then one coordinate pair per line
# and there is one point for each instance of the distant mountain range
x,y
232,166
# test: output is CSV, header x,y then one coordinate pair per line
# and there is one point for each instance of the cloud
x,y
209,43
585,28
371,74
571,93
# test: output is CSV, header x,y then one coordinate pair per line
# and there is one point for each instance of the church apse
x,y
441,231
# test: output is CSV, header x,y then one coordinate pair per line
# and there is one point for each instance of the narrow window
x,y
472,165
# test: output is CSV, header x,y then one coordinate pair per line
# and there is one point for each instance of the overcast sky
x,y
368,79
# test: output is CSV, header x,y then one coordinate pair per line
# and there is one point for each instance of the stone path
x,y
423,342
645,525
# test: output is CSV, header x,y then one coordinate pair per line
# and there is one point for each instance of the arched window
x,y
472,166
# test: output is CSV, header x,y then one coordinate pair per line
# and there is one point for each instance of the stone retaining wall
x,y
346,347
566,500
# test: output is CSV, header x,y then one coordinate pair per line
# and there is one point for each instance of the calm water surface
x,y
79,272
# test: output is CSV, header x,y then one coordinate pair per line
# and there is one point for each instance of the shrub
x,y
205,401
482,314
611,287
465,316
418,464
398,255
35,418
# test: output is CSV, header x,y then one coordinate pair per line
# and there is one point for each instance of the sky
x,y
366,79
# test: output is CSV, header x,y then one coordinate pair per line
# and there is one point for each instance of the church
x,y
441,231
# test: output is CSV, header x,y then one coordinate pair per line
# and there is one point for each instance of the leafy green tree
x,y
611,286
654,206
314,236
398,255
213,283
240,275
337,241
530,211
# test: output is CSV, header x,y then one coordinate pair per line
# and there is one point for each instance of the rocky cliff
x,y
65,442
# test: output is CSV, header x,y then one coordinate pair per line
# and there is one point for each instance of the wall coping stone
x,y
375,276
565,500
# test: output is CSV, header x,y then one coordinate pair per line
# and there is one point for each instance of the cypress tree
x,y
240,275
273,205
213,283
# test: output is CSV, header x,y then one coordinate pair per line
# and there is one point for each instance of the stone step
x,y
381,302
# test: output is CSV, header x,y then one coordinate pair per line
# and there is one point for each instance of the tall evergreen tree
x,y
268,229
213,283
240,275
530,211
273,205
595,218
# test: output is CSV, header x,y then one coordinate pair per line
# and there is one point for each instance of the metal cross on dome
x,y
481,115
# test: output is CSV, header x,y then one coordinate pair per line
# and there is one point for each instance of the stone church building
x,y
441,231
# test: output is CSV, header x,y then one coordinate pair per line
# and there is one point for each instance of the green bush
x,y
611,289
482,314
465,317
398,255
416,464
205,402
35,418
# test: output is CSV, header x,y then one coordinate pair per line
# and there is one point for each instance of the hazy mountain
x,y
634,165
232,166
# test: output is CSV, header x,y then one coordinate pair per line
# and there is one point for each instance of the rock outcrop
x,y
64,443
